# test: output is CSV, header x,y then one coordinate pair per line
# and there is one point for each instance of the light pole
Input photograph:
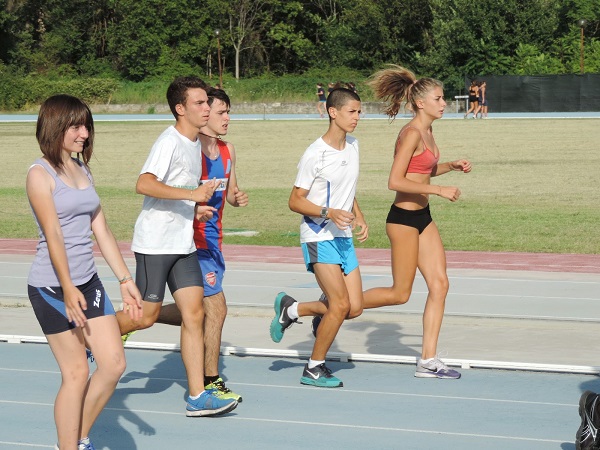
x,y
217,33
582,23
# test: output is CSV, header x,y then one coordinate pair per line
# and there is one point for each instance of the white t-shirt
x,y
165,226
330,176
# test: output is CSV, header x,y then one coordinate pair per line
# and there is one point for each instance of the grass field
x,y
534,187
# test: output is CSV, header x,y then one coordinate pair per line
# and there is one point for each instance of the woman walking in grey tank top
x,y
67,296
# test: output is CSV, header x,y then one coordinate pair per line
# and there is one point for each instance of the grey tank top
x,y
75,209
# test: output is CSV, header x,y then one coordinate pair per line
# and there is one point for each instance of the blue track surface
x,y
381,406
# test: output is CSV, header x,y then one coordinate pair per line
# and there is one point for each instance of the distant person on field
x,y
218,162
330,87
322,98
473,99
483,101
414,237
67,296
163,237
324,195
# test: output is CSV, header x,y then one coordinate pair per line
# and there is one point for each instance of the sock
x,y
210,379
292,311
312,363
426,360
196,397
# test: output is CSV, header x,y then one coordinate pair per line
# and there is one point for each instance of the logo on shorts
x,y
98,297
211,279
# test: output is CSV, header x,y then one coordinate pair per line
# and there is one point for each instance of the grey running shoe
x,y
282,320
320,376
588,437
435,369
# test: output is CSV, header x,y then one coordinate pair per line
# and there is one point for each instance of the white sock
x,y
426,360
292,311
312,363
196,397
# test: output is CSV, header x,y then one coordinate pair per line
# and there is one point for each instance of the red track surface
x,y
544,262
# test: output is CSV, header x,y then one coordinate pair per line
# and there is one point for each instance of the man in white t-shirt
x,y
324,194
163,238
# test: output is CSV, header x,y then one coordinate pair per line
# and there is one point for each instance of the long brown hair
x,y
56,115
397,85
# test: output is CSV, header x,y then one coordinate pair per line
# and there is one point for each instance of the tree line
x,y
139,40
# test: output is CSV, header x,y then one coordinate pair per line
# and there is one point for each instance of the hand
x,y
75,304
450,192
241,198
363,229
342,219
461,165
204,213
203,193
132,300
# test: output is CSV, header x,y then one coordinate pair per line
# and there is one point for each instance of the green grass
x,y
534,185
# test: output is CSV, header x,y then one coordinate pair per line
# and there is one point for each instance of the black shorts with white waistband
x,y
418,219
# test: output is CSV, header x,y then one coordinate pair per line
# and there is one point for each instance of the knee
x,y
115,370
192,317
439,287
146,321
354,312
399,296
340,308
77,375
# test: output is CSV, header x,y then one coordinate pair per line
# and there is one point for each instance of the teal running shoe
x,y
282,320
320,376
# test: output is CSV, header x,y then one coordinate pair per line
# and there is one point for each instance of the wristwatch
x,y
324,212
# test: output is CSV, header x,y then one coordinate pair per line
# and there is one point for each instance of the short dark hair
x,y
219,94
339,97
177,91
56,115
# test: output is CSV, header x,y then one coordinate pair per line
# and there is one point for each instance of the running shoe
x,y
85,444
208,404
223,391
281,321
317,319
435,368
320,376
588,437
127,336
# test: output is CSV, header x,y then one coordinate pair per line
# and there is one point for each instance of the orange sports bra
x,y
423,162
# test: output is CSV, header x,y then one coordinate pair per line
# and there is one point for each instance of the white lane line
x,y
322,424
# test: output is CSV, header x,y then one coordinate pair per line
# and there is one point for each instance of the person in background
x,y
473,99
322,98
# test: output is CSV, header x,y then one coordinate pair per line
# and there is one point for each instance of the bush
x,y
18,92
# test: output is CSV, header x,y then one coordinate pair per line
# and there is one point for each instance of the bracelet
x,y
125,279
191,194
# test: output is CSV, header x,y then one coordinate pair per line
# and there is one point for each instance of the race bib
x,y
221,186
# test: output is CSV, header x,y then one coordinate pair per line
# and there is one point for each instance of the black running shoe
x,y
588,437
317,319
281,321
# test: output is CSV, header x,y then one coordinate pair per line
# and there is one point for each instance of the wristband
x,y
125,279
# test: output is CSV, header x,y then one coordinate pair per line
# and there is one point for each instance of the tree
x,y
245,17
